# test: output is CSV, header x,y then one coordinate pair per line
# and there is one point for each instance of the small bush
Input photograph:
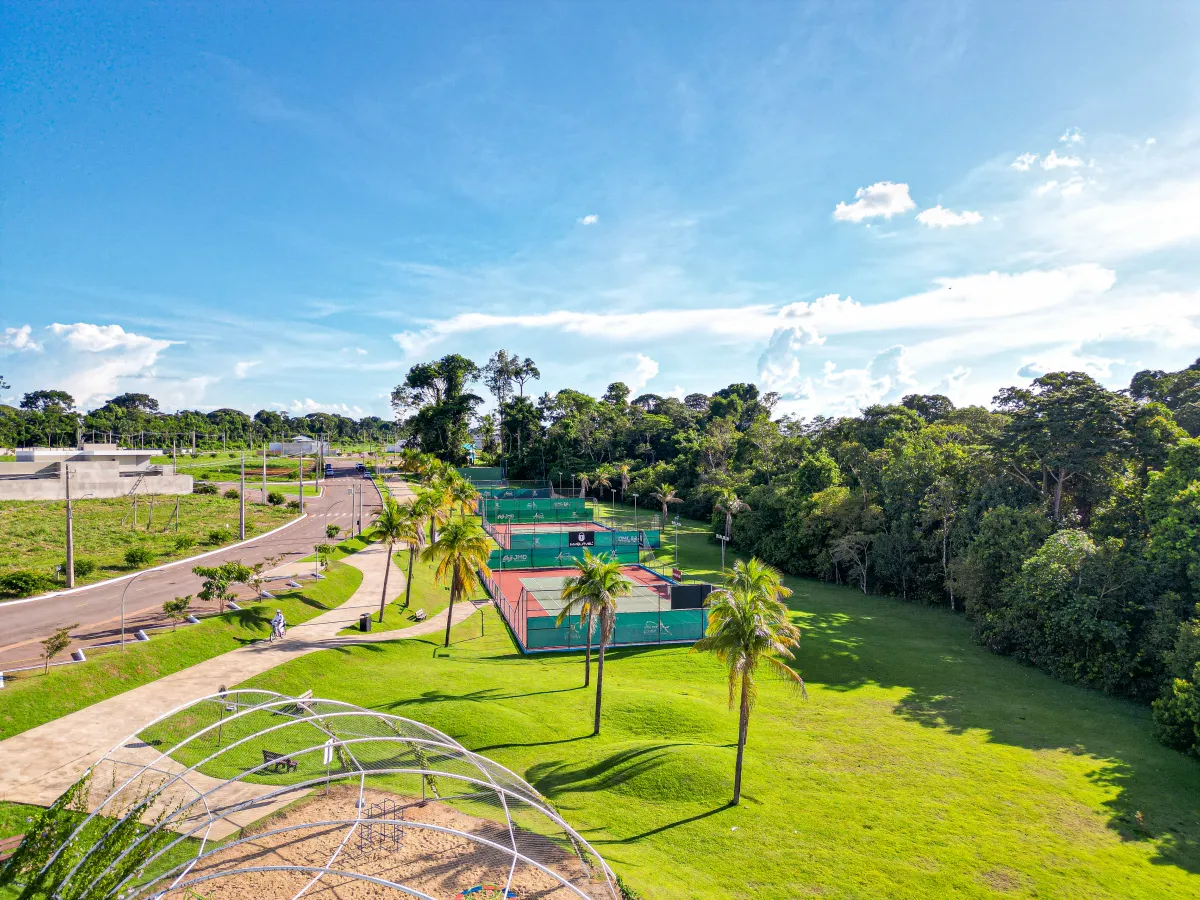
x,y
627,893
293,504
232,494
136,557
216,537
275,498
24,583
184,542
83,567
203,487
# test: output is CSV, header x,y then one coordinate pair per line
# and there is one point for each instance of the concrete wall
x,y
96,483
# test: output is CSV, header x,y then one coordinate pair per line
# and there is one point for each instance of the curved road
x,y
98,608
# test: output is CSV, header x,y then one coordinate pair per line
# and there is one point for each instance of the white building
x,y
96,470
300,444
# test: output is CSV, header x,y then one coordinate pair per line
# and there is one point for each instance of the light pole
x,y
350,491
127,587
70,573
242,503
635,518
301,484
676,524
264,499
724,540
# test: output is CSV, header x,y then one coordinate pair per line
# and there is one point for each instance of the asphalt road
x,y
97,609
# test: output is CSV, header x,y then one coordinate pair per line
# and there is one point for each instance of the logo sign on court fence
x,y
582,539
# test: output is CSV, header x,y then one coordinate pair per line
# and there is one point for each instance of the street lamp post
x,y
635,518
123,592
724,540
676,524
70,573
301,484
242,502
350,491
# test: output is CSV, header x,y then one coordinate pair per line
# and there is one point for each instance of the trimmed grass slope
x,y
921,766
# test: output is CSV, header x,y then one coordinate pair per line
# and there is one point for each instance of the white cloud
x,y
1045,188
940,217
677,392
242,369
884,198
779,364
360,351
1150,142
96,359
1023,162
589,219
1071,136
644,369
1073,186
19,339
308,405
1054,161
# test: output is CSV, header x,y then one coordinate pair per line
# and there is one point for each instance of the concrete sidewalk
x,y
41,763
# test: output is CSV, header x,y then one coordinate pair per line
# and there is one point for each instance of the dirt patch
x,y
435,862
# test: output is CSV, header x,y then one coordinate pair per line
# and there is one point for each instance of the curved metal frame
x,y
493,778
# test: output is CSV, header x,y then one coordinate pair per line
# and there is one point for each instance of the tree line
x,y
1063,521
50,418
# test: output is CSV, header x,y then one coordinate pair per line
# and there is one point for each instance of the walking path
x,y
39,764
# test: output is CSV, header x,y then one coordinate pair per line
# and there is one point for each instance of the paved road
x,y
98,608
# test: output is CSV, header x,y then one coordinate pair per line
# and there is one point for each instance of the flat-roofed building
x,y
96,470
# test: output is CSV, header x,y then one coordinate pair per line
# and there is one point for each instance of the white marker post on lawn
x,y
242,502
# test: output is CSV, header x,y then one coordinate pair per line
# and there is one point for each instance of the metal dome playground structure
x,y
253,794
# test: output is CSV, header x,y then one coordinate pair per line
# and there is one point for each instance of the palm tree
x,y
439,506
390,527
413,534
621,472
664,493
583,485
463,495
462,550
728,502
594,592
748,624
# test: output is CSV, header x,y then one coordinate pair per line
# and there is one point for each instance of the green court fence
x,y
536,509
552,558
478,474
605,539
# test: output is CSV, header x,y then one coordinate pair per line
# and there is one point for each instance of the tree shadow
x,y
957,686
724,807
555,778
483,695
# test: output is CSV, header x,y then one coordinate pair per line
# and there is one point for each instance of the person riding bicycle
x,y
278,625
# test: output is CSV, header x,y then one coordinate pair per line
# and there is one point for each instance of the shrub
x,y
275,498
24,583
332,531
184,542
217,536
293,504
136,557
83,567
232,494
203,487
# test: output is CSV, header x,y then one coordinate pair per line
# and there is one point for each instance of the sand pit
x,y
432,862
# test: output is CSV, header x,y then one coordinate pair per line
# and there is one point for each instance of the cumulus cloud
x,y
1071,136
779,364
242,369
940,217
1054,161
309,405
94,360
19,339
884,198
589,219
644,369
1150,142
1024,162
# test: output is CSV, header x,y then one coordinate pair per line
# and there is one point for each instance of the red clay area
x,y
511,584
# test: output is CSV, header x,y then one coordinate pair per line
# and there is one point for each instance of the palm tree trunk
x,y
599,685
412,551
387,570
587,658
450,611
743,727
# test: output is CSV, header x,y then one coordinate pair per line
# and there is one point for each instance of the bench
x,y
419,616
277,760
9,845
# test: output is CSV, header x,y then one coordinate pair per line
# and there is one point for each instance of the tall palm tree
x,y
390,528
438,506
664,493
596,589
413,534
727,501
584,484
463,495
747,625
621,472
462,552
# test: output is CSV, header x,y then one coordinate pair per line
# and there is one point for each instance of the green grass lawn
x,y
35,531
33,698
426,594
228,466
920,766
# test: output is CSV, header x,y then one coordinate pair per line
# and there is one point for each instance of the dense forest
x,y
49,418
1063,522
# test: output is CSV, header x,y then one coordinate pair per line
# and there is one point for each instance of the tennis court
x,y
541,590
503,532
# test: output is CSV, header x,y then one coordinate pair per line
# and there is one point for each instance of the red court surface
x,y
511,582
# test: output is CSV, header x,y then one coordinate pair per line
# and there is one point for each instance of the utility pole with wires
x,y
70,573
242,503
264,496
301,484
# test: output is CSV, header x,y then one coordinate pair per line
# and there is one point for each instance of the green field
x,y
228,467
35,531
920,766
32,698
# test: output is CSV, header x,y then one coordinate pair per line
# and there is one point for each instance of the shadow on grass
x,y
483,695
851,641
724,807
556,778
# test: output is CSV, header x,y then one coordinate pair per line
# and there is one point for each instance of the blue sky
x,y
287,205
